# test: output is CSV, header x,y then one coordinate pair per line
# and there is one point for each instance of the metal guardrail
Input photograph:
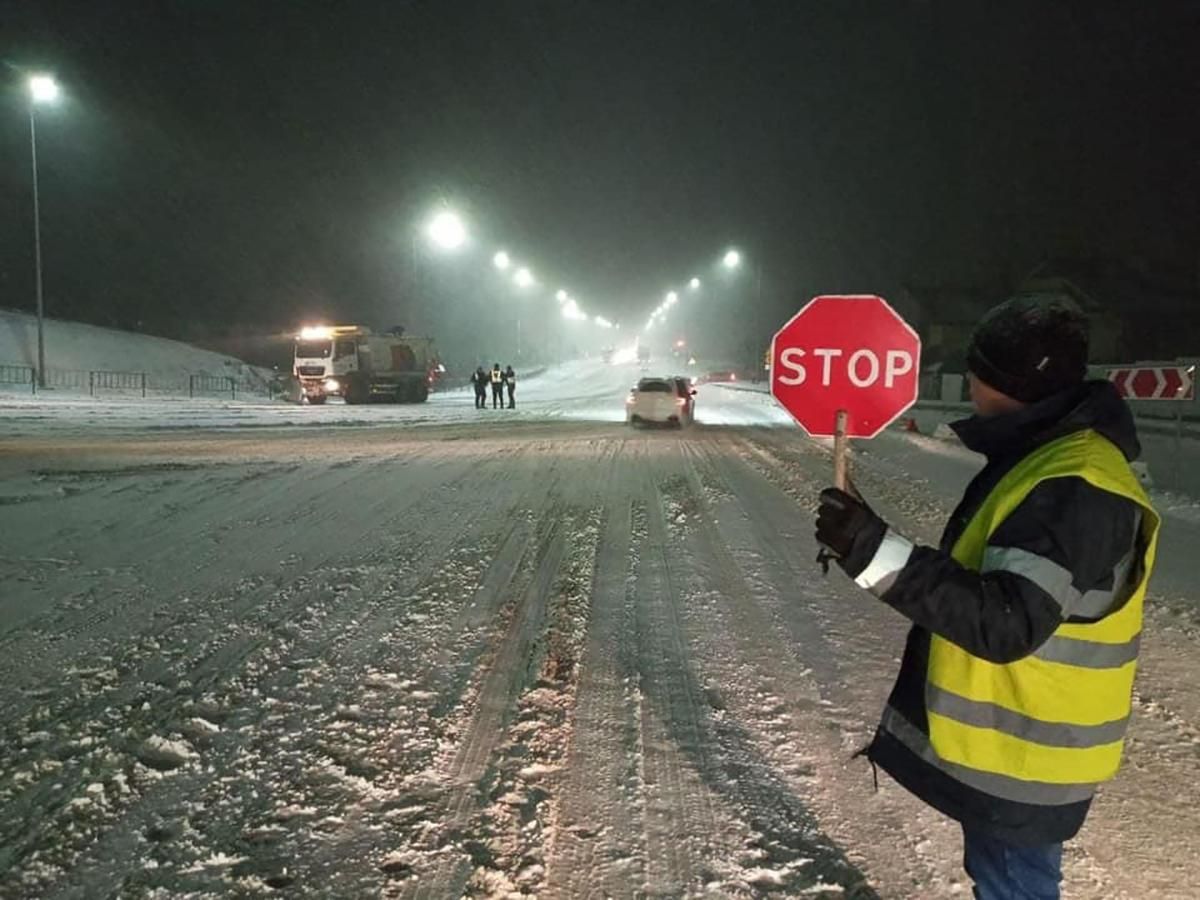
x,y
116,381
212,384
1163,426
19,375
67,379
95,382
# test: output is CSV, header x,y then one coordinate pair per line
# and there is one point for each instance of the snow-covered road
x,y
431,651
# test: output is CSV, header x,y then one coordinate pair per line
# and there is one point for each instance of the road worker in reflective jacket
x,y
1015,688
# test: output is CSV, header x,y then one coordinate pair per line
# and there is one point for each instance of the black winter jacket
x,y
1002,616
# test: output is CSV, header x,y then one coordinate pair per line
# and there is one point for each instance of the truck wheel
x,y
402,394
421,394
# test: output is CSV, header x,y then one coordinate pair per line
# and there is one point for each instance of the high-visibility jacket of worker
x,y
1001,731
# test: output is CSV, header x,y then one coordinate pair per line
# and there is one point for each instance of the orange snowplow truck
x,y
351,362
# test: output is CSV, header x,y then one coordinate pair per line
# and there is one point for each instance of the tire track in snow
x,y
184,570
522,821
683,833
468,773
447,666
727,618
597,851
347,641
211,663
240,604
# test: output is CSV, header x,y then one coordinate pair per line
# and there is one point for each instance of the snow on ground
x,y
430,651
581,391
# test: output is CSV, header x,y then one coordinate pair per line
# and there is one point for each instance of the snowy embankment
x,y
75,350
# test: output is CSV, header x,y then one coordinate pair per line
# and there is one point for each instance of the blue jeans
x,y
1004,872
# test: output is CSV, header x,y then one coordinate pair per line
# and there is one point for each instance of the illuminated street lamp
x,y
501,260
447,230
42,89
523,278
561,296
672,298
732,259
694,284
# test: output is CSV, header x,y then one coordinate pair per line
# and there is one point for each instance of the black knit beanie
x,y
1030,347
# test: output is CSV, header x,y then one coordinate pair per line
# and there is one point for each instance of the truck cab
x,y
324,358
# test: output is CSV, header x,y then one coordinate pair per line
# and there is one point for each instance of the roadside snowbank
x,y
73,347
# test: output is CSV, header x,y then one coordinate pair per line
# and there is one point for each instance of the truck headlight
x,y
331,384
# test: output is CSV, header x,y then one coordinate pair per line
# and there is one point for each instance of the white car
x,y
665,401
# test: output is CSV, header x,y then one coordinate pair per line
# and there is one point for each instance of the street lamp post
x,y
523,279
42,89
733,261
447,233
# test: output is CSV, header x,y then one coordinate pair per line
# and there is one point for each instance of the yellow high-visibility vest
x,y
1047,728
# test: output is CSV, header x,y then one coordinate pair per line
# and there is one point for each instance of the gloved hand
x,y
849,529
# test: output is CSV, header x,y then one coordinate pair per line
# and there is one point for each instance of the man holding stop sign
x,y
1015,689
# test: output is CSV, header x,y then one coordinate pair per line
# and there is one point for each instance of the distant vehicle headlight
x,y
331,384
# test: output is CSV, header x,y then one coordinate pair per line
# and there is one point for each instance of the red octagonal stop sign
x,y
853,353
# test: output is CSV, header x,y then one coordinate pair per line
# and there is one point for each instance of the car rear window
x,y
654,386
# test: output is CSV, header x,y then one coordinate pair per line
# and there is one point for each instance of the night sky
x,y
257,162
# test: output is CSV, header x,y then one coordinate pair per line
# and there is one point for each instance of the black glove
x,y
850,529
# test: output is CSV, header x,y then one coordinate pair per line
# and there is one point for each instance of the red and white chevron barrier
x,y
1155,382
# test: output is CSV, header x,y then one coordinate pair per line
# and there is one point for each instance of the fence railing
x,y
116,381
97,382
212,384
19,375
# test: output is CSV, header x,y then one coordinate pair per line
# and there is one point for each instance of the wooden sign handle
x,y
840,463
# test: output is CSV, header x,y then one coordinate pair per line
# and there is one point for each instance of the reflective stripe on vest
x,y
1057,581
1047,728
1015,789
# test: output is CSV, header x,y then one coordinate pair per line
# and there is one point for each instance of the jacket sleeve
x,y
1066,552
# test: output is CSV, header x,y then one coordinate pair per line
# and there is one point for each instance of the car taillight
x,y
681,402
